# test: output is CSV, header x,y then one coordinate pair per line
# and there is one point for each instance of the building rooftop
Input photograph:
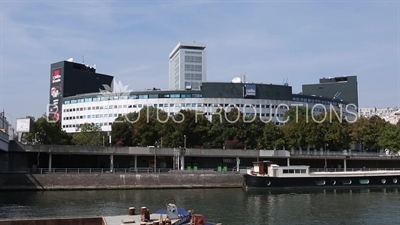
x,y
187,45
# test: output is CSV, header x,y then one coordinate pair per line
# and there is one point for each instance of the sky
x,y
269,41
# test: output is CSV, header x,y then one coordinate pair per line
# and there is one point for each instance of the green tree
x,y
122,129
149,125
254,133
273,137
390,138
88,134
336,132
193,124
217,129
47,133
296,135
236,128
366,131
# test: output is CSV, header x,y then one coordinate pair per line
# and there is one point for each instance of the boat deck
x,y
135,219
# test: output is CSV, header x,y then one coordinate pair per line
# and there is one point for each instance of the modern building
x,y
187,66
391,115
266,101
68,78
344,88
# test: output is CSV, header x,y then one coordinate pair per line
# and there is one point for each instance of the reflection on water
x,y
229,206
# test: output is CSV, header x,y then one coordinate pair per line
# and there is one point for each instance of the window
x,y
133,97
193,59
346,181
175,95
197,95
193,52
143,96
186,95
190,67
364,181
153,96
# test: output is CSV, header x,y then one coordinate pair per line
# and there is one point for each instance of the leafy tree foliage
x,y
88,134
43,132
233,130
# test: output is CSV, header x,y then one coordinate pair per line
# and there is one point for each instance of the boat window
x,y
383,181
346,181
291,171
296,171
394,180
285,171
303,171
320,182
364,181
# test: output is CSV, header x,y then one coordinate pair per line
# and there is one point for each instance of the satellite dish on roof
x,y
70,59
236,80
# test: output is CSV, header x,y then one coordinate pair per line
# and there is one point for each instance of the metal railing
x,y
116,170
319,153
350,169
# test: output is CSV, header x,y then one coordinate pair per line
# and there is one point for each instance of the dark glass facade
x,y
343,88
71,79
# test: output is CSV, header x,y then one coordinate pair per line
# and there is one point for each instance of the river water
x,y
228,206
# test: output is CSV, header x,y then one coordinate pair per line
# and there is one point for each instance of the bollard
x,y
131,211
142,213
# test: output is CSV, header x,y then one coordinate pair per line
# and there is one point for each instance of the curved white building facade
x,y
93,108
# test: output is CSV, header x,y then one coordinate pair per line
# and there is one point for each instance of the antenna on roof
x,y
244,78
285,82
83,59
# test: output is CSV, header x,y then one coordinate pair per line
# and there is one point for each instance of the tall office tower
x,y
69,78
344,88
187,66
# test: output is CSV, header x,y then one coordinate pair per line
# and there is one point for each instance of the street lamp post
x,y
155,157
184,142
183,151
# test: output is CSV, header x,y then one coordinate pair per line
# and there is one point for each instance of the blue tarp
x,y
180,212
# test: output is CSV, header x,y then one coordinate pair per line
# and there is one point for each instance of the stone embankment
x,y
118,181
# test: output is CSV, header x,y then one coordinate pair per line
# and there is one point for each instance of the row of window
x,y
77,125
349,181
193,52
124,97
295,171
193,76
115,115
190,67
101,124
193,59
177,105
198,95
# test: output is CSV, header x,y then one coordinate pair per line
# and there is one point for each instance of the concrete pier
x,y
62,181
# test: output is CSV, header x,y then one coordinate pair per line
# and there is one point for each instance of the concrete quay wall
x,y
117,181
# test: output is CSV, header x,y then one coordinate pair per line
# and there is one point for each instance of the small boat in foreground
x,y
265,174
172,215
